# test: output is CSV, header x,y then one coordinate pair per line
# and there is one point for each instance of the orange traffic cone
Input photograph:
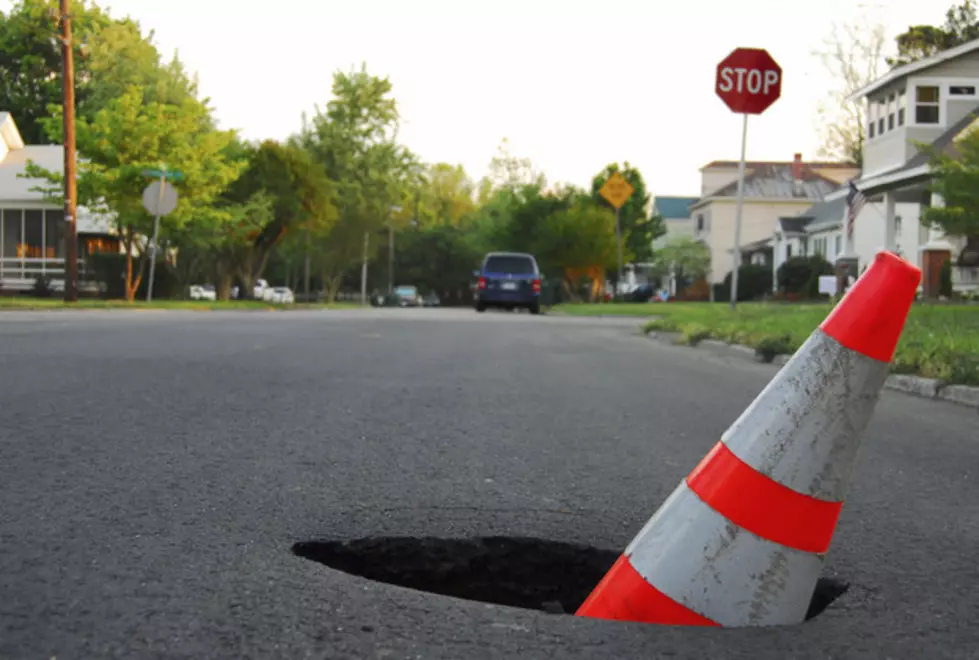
x,y
741,541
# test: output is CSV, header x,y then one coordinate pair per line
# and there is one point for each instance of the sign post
x,y
748,81
617,192
159,199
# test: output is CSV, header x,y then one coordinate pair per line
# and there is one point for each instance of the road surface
x,y
157,467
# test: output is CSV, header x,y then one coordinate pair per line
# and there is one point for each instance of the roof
x,y
794,225
13,188
755,164
777,182
674,208
917,167
922,64
9,132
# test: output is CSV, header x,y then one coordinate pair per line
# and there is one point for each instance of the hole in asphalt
x,y
519,572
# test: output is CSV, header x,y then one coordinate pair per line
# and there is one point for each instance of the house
x,y
772,190
675,212
932,101
32,229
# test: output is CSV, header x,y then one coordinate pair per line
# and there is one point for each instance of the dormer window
x,y
926,107
881,115
902,104
891,111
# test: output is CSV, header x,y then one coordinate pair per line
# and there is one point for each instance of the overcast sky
x,y
572,87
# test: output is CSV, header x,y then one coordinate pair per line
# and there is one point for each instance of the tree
x,y
684,257
853,54
445,196
282,192
956,179
578,238
638,229
110,56
354,139
921,41
128,136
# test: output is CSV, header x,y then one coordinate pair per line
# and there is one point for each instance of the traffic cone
x,y
742,540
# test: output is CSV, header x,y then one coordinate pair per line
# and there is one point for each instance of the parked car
x,y
203,292
431,300
262,290
282,295
408,296
508,280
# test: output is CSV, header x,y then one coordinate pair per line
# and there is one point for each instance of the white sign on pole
x,y
827,284
159,198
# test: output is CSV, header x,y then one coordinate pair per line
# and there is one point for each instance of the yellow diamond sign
x,y
616,190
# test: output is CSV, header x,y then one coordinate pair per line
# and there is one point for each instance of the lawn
x,y
26,303
939,341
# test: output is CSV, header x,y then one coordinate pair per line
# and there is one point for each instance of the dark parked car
x,y
408,296
431,300
508,280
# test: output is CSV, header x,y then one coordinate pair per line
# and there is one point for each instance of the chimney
x,y
797,175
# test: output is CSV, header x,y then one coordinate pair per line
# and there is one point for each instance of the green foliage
x,y
111,55
800,275
922,41
945,279
687,257
438,258
754,282
638,229
956,179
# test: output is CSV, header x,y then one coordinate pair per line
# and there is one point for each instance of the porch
x,y
32,246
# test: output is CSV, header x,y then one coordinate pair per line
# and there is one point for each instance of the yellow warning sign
x,y
616,190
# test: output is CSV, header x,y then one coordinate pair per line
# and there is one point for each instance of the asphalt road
x,y
156,468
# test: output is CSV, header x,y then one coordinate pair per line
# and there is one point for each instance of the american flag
x,y
854,202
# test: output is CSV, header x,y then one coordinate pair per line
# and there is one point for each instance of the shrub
x,y
945,279
800,275
42,287
754,282
770,346
110,271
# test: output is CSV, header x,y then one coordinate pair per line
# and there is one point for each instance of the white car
x,y
203,292
282,295
262,290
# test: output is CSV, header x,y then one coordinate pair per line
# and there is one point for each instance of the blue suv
x,y
508,280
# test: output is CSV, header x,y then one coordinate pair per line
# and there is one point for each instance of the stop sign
x,y
749,80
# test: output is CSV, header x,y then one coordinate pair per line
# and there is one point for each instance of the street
x,y
156,469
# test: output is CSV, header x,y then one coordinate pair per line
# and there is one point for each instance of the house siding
x,y
758,222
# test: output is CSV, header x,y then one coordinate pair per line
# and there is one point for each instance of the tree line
x,y
309,208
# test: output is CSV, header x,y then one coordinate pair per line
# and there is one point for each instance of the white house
x,y
773,190
32,230
932,101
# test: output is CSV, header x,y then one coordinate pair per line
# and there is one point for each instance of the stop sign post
x,y
748,81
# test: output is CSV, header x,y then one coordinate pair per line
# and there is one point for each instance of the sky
x,y
571,86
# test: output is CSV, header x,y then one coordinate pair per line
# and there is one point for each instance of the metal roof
x,y
673,208
777,182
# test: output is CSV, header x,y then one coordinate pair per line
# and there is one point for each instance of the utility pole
x,y
71,189
394,209
363,271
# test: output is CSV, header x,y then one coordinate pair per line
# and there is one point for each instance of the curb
x,y
926,388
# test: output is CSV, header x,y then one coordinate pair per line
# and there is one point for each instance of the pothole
x,y
529,573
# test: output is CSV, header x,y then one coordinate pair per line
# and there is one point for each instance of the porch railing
x,y
965,279
20,273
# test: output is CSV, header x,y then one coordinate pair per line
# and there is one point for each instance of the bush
x,y
945,279
800,275
754,282
110,272
771,345
42,287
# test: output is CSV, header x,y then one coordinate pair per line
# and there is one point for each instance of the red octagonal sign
x,y
749,80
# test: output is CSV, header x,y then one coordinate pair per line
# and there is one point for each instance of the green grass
x,y
26,303
606,309
939,341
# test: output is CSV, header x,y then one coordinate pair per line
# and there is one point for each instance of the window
x,y
962,90
788,250
700,222
926,104
838,245
510,264
10,233
871,119
54,233
891,110
881,115
902,104
819,246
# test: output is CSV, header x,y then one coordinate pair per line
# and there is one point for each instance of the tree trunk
x,y
331,286
223,286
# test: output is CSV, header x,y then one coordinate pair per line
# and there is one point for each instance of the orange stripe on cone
x,y
762,506
871,316
624,595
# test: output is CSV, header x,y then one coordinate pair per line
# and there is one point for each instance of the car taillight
x,y
536,286
482,282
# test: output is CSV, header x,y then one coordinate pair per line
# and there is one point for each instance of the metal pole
x,y
618,240
71,190
737,217
156,237
363,272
